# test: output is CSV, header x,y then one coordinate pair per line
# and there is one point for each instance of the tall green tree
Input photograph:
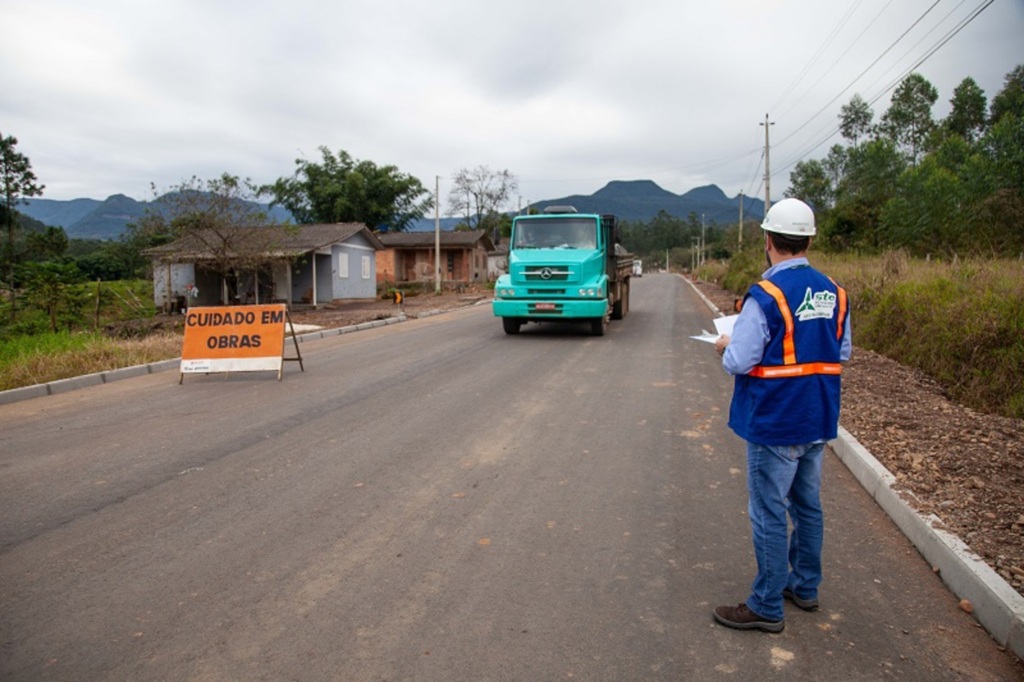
x,y
810,182
869,181
967,118
855,119
49,243
344,189
19,182
1010,99
55,288
908,120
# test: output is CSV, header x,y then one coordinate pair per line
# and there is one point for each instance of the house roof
x,y
454,238
275,240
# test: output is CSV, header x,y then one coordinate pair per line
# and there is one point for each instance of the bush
x,y
961,323
965,329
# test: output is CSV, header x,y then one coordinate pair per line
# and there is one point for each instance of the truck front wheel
x,y
511,324
598,325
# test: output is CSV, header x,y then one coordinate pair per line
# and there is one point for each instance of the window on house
x,y
343,265
451,262
366,267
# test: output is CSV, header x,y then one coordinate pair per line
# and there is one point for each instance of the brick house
x,y
409,257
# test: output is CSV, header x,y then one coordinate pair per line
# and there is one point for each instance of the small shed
x,y
310,264
410,256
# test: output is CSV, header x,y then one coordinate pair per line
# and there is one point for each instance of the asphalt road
x,y
435,500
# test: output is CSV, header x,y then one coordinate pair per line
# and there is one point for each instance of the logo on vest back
x,y
816,305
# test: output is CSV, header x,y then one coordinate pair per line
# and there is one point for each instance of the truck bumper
x,y
556,309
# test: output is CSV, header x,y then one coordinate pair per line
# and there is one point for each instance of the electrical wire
x,y
832,131
915,45
840,57
892,85
870,66
814,58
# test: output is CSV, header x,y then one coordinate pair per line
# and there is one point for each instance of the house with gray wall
x,y
292,264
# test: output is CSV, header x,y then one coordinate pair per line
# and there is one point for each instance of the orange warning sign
x,y
233,339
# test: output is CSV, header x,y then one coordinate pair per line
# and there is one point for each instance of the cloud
x,y
112,95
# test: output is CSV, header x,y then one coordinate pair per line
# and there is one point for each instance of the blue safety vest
x,y
792,397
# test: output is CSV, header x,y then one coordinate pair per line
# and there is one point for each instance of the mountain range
x,y
634,200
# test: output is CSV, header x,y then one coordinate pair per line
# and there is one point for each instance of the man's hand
x,y
721,342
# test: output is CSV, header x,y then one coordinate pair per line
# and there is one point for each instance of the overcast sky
x,y
108,96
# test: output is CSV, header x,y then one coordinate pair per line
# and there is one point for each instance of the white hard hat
x,y
792,217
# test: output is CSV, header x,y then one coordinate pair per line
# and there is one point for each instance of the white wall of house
x,y
170,281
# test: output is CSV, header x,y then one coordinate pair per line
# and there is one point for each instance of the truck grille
x,y
546,273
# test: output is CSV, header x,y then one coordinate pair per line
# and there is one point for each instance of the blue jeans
x,y
783,478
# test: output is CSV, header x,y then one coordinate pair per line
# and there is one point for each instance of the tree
x,y
343,189
55,287
869,181
855,119
218,220
1010,99
926,215
48,243
480,194
967,117
19,182
908,121
1004,146
810,182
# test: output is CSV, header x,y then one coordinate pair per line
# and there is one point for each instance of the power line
x,y
892,85
915,45
814,58
845,52
870,66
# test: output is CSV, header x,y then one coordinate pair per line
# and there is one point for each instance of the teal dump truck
x,y
564,266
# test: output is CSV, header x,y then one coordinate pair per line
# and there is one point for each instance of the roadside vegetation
x,y
960,322
100,326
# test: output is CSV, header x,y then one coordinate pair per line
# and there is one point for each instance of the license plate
x,y
545,306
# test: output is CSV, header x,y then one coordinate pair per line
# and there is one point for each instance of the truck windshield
x,y
556,233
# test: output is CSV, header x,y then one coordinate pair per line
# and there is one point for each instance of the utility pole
x,y
703,243
437,234
767,166
740,219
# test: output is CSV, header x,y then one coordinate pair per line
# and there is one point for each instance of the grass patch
x,y
41,358
962,323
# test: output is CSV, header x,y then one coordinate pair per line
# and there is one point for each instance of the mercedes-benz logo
x,y
545,273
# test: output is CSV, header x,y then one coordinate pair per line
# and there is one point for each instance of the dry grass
x,y
960,322
82,354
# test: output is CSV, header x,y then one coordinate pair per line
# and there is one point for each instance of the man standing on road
x,y
791,335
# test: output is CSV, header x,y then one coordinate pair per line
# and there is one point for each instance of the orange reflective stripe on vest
x,y
788,347
786,371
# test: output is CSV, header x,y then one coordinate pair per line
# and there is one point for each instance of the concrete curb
x,y
74,383
996,605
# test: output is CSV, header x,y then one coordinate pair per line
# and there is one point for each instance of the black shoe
x,y
805,604
742,618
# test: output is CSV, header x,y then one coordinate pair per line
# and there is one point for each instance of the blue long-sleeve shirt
x,y
750,334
